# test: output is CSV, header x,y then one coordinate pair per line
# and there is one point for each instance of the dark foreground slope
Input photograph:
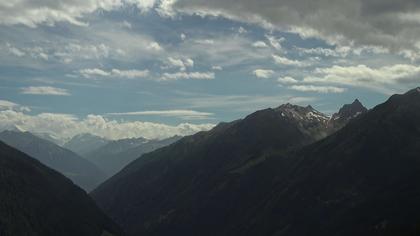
x,y
36,200
81,171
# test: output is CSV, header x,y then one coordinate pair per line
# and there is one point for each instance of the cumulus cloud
x,y
190,75
114,73
180,63
154,46
317,89
45,90
365,76
263,74
8,105
183,114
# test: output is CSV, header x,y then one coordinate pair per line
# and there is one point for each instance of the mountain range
x,y
78,169
217,182
287,171
85,143
36,200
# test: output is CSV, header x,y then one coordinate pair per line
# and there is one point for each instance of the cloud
x,y
31,14
66,126
286,61
358,23
389,24
183,114
287,80
238,102
8,105
126,24
260,44
154,46
242,30
204,41
317,89
45,90
384,77
190,75
182,64
28,13
15,51
275,42
223,50
130,74
262,73
217,68
114,73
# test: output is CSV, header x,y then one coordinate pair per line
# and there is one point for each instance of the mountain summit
x,y
345,114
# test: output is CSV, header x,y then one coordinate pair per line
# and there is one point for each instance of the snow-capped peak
x,y
301,113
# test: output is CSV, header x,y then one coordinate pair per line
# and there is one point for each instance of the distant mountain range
x,y
285,171
36,200
85,143
114,155
81,171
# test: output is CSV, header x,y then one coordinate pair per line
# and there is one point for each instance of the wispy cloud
x,y
183,114
382,78
317,89
241,103
114,73
288,62
188,75
45,90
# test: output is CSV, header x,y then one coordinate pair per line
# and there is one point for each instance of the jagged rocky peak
x,y
301,113
350,111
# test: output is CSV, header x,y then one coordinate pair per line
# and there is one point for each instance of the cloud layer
x,y
45,90
66,126
386,23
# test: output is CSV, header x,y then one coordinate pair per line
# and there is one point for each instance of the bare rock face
x,y
345,114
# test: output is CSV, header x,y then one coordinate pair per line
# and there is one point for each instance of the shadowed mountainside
x,y
36,200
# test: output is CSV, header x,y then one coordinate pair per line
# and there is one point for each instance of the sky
x,y
157,68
